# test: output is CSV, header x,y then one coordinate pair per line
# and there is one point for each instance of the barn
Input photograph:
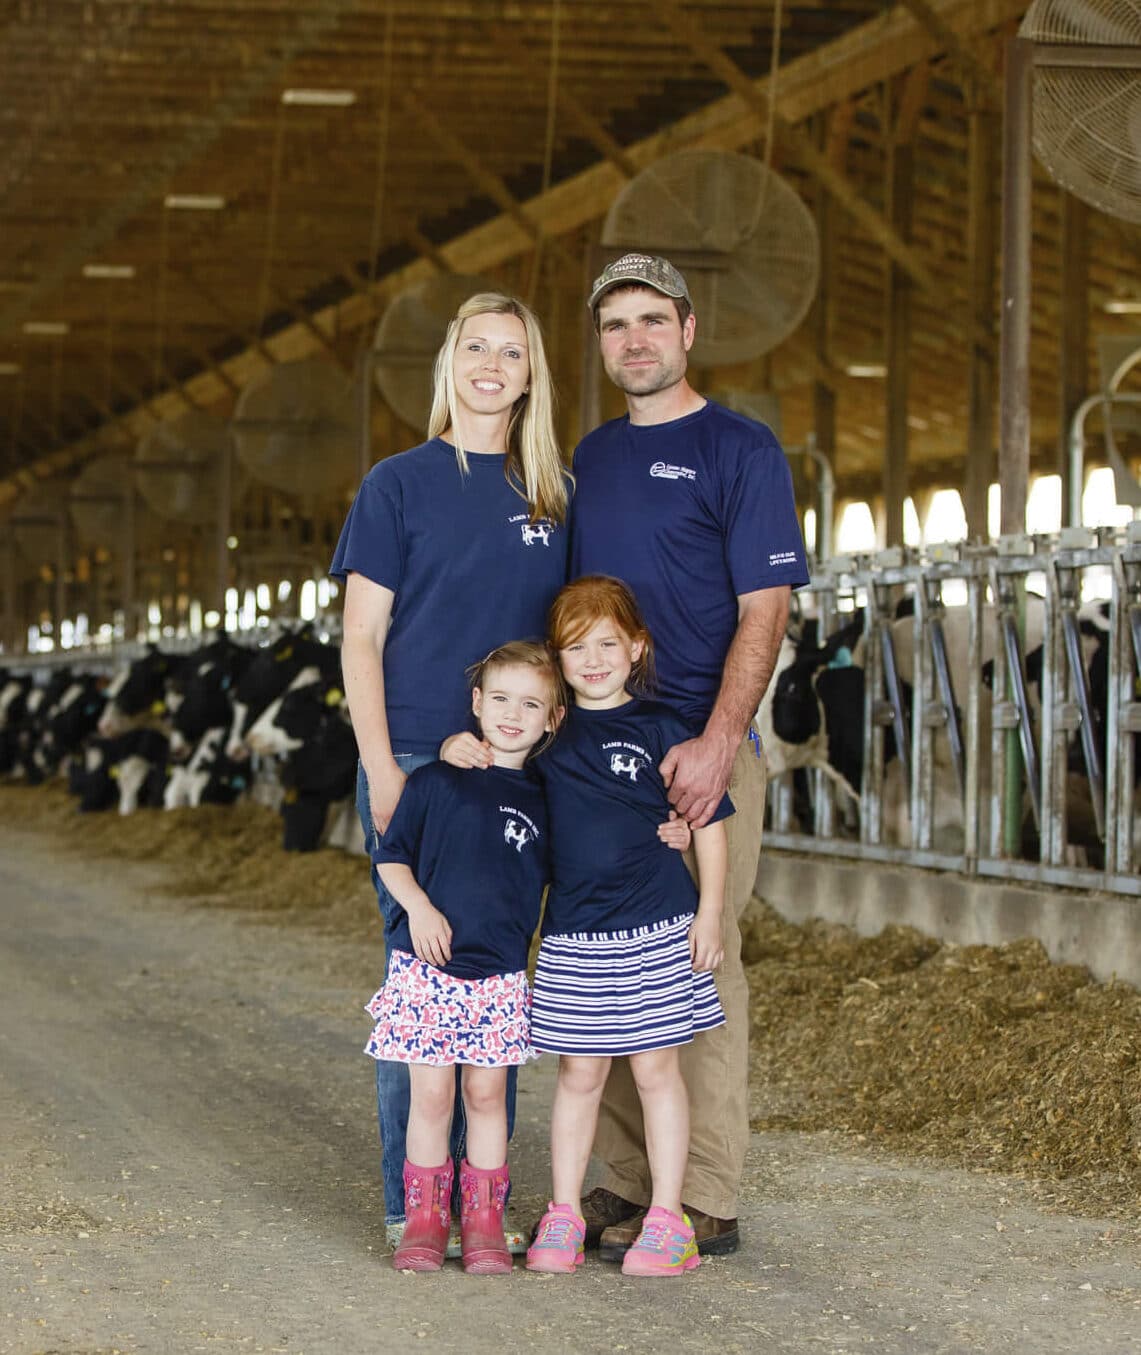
x,y
233,238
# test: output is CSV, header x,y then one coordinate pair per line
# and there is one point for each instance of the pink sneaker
x,y
557,1248
665,1246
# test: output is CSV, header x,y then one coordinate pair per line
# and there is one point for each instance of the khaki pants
x,y
716,1064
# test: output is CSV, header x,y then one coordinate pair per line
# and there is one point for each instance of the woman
x,y
449,550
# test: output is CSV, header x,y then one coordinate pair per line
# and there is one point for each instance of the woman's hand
x,y
465,750
675,832
384,790
706,948
431,933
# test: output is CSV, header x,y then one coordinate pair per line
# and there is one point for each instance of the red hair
x,y
581,605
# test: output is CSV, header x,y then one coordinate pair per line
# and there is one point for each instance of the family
x,y
594,738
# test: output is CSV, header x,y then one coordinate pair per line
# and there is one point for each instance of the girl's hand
x,y
431,934
675,832
706,948
465,750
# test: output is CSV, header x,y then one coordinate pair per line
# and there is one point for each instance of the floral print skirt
x,y
423,1015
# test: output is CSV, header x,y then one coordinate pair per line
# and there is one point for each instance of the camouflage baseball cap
x,y
647,269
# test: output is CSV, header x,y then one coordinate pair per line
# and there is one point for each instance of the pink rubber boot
x,y
483,1196
428,1216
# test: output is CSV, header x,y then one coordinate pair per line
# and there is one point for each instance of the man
x,y
692,506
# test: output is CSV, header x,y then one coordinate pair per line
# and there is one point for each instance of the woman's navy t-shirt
x,y
469,571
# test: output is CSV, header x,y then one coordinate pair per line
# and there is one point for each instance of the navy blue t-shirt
x,y
606,798
469,571
477,844
691,514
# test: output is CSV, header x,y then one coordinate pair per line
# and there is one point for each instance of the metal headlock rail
x,y
997,773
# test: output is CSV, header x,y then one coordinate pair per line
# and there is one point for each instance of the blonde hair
x,y
526,654
598,597
534,465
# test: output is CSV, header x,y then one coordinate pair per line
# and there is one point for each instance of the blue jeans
x,y
392,1085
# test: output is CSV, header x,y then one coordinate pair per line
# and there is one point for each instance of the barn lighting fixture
x,y
195,202
9,369
866,369
108,270
319,98
49,327
1120,305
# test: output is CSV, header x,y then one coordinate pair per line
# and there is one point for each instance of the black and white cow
x,y
308,730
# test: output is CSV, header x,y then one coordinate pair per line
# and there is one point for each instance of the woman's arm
x,y
711,848
431,931
368,608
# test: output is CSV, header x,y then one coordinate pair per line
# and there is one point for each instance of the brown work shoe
x,y
600,1209
618,1238
715,1237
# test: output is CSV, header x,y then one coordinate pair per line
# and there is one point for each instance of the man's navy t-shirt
x,y
691,514
470,571
476,843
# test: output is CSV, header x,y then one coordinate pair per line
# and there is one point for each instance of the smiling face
x,y
597,665
514,709
491,367
644,345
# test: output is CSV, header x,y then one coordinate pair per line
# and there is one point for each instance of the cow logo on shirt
x,y
518,828
626,764
539,531
515,834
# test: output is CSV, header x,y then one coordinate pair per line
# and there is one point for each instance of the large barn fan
x,y
1087,120
97,500
179,466
744,239
408,337
36,521
294,428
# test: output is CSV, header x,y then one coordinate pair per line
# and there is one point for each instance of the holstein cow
x,y
138,694
69,723
127,771
307,729
202,713
29,734
14,691
812,715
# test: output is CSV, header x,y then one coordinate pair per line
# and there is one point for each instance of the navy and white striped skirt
x,y
613,993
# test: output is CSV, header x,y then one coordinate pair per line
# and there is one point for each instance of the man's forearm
x,y
749,663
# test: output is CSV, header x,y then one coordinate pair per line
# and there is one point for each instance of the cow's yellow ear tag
x,y
157,707
334,696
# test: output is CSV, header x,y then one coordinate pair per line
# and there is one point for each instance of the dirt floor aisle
x,y
189,1164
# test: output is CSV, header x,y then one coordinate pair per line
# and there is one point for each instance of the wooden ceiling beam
x,y
485,179
980,82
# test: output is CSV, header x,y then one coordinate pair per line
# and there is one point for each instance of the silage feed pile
x,y
977,1056
989,1058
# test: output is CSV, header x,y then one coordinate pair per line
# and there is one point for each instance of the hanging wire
x,y
549,142
771,103
57,386
271,218
160,295
382,129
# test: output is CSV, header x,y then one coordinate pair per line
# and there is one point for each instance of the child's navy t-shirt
x,y
691,514
470,571
606,798
477,844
